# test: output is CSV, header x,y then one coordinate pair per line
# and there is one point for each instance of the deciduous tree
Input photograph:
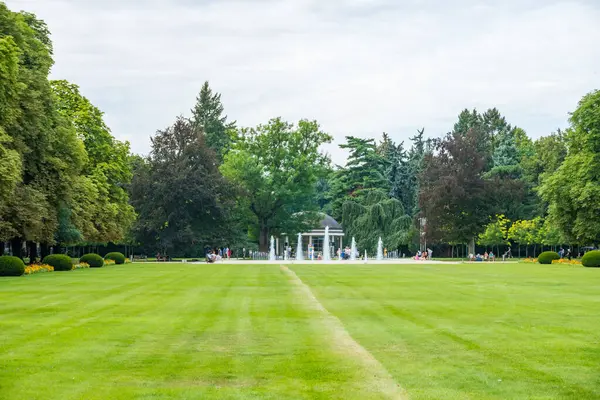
x,y
182,199
573,190
277,165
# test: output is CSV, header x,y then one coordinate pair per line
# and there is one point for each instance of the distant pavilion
x,y
316,237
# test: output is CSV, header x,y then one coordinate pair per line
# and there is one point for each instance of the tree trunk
x,y
31,251
17,247
1,248
44,250
263,238
472,246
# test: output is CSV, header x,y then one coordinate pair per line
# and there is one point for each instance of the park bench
x,y
139,258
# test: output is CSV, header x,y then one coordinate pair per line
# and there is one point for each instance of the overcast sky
x,y
358,67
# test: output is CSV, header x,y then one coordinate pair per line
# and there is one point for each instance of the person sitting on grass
x,y
210,257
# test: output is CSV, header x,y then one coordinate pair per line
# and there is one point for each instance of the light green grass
x,y
473,331
171,331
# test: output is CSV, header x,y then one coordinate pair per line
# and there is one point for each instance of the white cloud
x,y
359,67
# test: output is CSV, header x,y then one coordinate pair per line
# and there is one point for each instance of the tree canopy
x,y
65,179
573,189
277,166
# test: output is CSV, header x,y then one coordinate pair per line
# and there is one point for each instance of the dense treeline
x,y
65,180
62,173
485,182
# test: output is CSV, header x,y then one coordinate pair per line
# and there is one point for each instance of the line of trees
x,y
485,182
63,176
65,180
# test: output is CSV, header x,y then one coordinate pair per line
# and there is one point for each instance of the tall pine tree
x,y
207,117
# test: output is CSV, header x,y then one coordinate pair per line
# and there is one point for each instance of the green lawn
x,y
164,331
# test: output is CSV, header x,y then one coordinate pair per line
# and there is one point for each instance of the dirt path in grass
x,y
374,374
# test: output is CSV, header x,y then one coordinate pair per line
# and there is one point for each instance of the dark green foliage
x,y
591,259
117,257
454,196
400,173
11,266
547,257
94,260
181,198
60,262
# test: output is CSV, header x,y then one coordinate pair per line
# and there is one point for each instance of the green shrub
x,y
60,262
11,266
547,257
118,258
591,259
94,260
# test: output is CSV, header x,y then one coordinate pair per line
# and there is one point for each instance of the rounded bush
x,y
591,259
60,262
117,257
547,257
11,266
94,260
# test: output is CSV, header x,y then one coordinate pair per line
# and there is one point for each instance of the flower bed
x,y
81,265
566,262
37,268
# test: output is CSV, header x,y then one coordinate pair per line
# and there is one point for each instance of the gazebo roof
x,y
330,222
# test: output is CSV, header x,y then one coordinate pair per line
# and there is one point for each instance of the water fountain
x,y
353,250
380,250
366,258
272,250
326,246
299,255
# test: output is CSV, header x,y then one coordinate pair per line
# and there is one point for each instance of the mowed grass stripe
x,y
375,377
482,332
168,331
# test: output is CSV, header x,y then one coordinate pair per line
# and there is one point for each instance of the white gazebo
x,y
316,237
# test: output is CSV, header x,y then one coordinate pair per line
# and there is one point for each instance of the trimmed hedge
x,y
11,266
94,260
118,258
547,257
591,259
60,262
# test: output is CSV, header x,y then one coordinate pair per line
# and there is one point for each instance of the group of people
x,y
567,255
346,253
424,255
218,254
483,257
